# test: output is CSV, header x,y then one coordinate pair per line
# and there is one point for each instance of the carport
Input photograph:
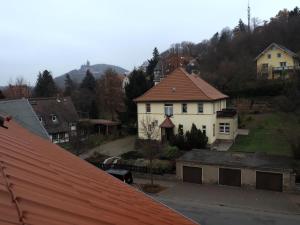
x,y
259,171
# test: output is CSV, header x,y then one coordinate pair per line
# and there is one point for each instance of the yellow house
x,y
184,99
276,62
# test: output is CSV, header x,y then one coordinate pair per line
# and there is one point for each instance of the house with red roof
x,y
184,99
41,183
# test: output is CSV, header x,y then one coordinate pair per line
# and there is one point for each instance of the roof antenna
x,y
2,120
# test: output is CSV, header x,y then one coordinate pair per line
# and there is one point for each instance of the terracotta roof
x,y
40,183
181,86
167,123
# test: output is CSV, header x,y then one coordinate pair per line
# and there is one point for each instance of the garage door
x,y
230,177
192,174
269,181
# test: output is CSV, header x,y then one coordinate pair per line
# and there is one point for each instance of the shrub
x,y
196,138
192,139
131,155
170,152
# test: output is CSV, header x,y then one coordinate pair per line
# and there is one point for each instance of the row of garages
x,y
233,177
203,171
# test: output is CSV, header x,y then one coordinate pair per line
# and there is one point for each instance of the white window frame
x,y
54,118
148,106
204,129
182,107
224,128
168,109
202,107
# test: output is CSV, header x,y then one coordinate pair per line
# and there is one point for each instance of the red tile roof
x,y
40,183
167,123
181,86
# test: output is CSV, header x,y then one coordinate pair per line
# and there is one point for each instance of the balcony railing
x,y
286,68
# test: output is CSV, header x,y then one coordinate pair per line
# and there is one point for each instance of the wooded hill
x,y
227,58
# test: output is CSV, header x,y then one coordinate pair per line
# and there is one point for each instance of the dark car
x,y
123,175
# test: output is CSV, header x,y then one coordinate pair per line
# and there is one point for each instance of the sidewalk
x,y
112,148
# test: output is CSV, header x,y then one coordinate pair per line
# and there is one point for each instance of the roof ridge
x,y
7,183
188,75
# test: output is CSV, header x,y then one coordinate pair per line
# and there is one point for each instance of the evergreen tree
x,y
89,82
69,86
137,86
45,86
152,64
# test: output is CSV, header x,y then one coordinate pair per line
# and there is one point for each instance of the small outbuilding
x,y
254,170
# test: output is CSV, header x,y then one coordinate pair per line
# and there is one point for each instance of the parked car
x,y
123,175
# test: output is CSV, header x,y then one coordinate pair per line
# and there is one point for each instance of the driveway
x,y
113,148
212,204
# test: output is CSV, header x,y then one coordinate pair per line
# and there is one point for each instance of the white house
x,y
184,99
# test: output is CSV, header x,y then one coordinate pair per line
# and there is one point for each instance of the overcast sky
x,y
60,35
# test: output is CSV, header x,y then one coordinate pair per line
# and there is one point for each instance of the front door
x,y
167,134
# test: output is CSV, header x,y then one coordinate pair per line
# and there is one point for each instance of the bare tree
x,y
149,127
19,88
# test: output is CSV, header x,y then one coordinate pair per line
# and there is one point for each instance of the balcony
x,y
285,68
228,113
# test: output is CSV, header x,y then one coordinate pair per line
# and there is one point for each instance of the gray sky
x,y
60,35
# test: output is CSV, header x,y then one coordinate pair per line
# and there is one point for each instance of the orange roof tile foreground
x,y
181,86
40,183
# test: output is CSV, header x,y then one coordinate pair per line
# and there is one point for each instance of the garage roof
x,y
41,183
238,160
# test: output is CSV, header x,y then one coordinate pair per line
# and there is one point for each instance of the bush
x,y
170,152
131,155
195,138
192,139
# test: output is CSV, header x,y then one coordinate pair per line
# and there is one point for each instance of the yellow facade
x,y
276,63
207,120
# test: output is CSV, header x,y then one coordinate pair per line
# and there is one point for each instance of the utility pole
x,y
248,10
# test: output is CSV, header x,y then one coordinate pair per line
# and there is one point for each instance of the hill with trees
x,y
77,75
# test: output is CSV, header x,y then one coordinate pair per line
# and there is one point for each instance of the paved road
x,y
223,205
224,215
113,148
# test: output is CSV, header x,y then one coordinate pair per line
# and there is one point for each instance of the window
x,y
169,109
265,66
204,129
184,108
200,107
214,128
214,108
278,55
283,64
224,128
269,56
54,118
148,108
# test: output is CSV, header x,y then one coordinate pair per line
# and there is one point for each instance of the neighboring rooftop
x,y
288,51
62,108
41,183
22,112
181,86
234,159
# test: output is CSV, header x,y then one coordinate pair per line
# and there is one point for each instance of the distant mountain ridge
x,y
78,74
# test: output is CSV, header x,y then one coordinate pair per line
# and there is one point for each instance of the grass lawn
x,y
270,133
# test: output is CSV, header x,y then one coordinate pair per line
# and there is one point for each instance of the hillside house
x,y
184,99
58,116
276,62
